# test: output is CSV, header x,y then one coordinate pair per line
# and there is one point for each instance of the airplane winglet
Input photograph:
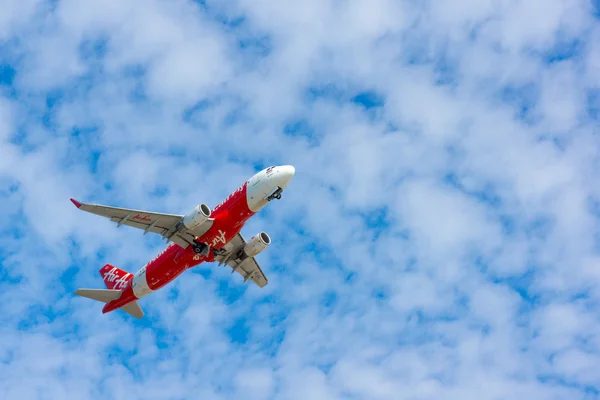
x,y
77,204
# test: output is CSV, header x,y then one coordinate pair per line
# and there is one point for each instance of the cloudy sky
x,y
440,240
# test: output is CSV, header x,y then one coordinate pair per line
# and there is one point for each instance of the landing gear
x,y
201,248
218,252
275,195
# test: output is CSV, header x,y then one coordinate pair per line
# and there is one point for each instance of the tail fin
x,y
114,278
102,295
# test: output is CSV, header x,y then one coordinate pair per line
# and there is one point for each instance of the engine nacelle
x,y
258,243
196,217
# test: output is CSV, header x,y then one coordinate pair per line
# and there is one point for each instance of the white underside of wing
x,y
247,268
147,221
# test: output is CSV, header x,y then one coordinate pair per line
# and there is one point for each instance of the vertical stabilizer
x,y
115,278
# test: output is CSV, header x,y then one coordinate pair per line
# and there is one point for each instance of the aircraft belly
x,y
227,224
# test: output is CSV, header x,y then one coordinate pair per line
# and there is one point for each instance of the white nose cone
x,y
285,174
265,183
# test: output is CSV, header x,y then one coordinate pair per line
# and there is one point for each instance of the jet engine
x,y
196,217
258,243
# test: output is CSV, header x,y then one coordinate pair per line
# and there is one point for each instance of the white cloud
x,y
255,384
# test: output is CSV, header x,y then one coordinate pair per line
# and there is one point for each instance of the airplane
x,y
201,235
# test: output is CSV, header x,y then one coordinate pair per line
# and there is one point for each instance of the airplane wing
x,y
247,268
162,224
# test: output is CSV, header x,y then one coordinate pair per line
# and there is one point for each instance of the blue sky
x,y
439,240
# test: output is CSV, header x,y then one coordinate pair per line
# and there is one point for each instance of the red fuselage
x,y
229,218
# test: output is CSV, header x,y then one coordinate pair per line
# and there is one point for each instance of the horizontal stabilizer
x,y
103,295
133,309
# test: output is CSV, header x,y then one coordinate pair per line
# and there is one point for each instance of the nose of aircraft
x,y
286,173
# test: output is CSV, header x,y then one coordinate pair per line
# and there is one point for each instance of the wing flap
x,y
256,273
182,239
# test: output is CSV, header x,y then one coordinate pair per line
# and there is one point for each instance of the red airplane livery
x,y
200,236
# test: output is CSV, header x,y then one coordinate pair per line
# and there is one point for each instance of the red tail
x,y
115,278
